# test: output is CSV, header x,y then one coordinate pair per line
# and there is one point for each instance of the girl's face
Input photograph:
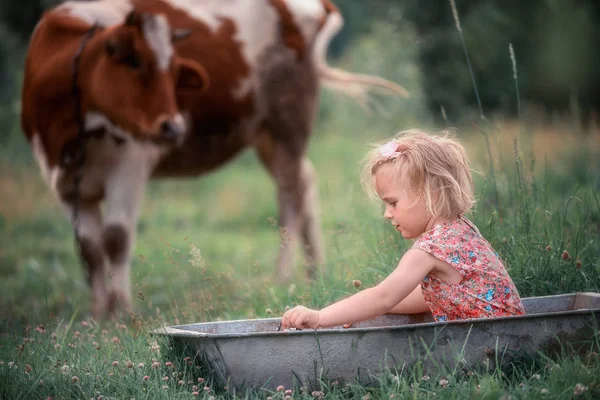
x,y
405,209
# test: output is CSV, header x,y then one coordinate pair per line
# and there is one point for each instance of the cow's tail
x,y
354,85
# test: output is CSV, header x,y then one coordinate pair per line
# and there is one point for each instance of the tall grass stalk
x,y
524,200
464,46
495,193
513,60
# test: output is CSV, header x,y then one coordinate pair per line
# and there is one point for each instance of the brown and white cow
x,y
264,60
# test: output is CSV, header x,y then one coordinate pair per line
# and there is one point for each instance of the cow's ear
x,y
191,75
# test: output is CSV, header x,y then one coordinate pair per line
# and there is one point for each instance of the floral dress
x,y
486,289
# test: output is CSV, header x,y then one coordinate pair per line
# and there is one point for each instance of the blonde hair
x,y
433,165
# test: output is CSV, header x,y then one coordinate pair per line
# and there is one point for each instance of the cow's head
x,y
134,84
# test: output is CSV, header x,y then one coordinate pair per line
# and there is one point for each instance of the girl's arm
x,y
369,303
412,304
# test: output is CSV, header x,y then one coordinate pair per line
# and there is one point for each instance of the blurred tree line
x,y
555,44
556,47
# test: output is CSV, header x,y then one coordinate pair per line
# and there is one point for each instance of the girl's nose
x,y
387,214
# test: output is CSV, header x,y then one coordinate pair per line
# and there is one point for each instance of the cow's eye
x,y
132,62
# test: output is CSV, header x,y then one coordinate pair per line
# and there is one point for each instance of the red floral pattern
x,y
486,289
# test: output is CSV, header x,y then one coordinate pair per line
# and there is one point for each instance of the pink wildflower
x,y
579,389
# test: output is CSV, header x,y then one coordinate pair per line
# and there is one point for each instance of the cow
x,y
243,74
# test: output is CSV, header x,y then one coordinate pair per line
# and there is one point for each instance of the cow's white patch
x,y
107,163
111,12
95,120
307,15
203,11
179,121
243,88
49,175
158,36
105,13
106,151
256,21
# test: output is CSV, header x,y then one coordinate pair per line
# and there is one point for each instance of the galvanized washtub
x,y
253,353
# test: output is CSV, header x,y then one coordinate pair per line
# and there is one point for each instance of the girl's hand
x,y
300,317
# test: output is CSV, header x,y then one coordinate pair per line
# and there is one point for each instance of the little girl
x,y
451,270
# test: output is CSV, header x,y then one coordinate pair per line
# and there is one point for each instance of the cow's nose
x,y
172,129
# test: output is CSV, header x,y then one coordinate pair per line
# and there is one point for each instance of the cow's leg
x,y
290,90
88,236
298,204
311,219
124,194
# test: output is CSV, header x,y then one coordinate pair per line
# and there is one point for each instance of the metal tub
x,y
253,353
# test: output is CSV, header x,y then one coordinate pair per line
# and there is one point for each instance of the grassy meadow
x,y
206,250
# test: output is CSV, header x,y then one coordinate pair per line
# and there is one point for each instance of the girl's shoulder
x,y
459,228
446,239
460,244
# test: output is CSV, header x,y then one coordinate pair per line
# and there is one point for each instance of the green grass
x,y
230,217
